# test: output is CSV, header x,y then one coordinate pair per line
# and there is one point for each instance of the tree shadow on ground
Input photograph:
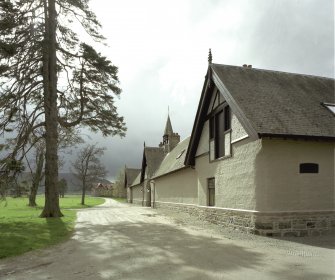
x,y
150,250
162,251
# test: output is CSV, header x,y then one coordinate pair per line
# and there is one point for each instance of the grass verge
x,y
120,199
22,230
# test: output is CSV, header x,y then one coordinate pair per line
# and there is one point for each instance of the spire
x,y
168,127
210,58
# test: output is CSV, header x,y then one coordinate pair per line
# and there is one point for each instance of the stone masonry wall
x,y
267,224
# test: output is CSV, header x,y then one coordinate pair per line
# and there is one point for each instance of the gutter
x,y
296,137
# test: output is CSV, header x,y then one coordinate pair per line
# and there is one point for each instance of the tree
x,y
10,169
38,48
62,187
88,168
37,174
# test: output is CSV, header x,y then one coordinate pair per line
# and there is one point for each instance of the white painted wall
x,y
177,187
280,186
238,130
203,146
264,175
137,194
234,177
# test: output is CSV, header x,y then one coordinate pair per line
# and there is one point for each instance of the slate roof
x,y
279,102
174,160
131,174
269,103
137,180
153,157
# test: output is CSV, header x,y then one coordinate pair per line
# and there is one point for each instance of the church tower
x,y
170,139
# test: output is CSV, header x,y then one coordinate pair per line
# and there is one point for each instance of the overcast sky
x,y
161,49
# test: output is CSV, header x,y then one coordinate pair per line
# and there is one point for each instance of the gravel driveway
x,y
121,241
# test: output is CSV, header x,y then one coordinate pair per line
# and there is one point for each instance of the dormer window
x,y
330,107
219,132
181,153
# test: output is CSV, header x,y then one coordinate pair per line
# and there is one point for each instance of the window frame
x,y
210,190
214,132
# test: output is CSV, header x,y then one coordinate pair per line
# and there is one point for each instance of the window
x,y
227,122
181,153
330,107
219,133
211,191
211,128
309,168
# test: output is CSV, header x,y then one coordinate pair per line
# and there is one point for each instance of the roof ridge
x,y
156,148
275,71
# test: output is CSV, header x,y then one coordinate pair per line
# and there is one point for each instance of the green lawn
x,y
120,199
21,229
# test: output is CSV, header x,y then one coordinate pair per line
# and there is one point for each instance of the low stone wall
x,y
268,224
295,223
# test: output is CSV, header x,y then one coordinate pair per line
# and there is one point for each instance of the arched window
x,y
309,168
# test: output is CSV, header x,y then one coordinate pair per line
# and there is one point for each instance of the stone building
x,y
130,175
102,190
140,190
260,157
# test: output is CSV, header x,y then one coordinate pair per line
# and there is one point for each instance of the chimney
x,y
250,66
245,65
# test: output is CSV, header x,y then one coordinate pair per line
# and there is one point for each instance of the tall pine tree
x,y
51,79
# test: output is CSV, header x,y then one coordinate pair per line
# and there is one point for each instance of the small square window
x,y
309,168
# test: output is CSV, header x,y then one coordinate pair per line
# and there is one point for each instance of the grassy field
x,y
120,199
21,229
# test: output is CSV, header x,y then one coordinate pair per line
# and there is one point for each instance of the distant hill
x,y
74,185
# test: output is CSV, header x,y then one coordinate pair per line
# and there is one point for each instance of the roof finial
x,y
210,58
168,110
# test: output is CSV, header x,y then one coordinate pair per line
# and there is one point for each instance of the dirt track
x,y
119,241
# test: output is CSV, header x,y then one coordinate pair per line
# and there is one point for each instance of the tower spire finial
x,y
210,57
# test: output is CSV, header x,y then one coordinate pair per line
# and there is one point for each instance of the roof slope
x,y
153,157
131,174
173,160
278,102
268,103
137,180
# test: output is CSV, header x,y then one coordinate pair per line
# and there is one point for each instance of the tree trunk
x,y
37,177
51,207
83,194
17,189
32,196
